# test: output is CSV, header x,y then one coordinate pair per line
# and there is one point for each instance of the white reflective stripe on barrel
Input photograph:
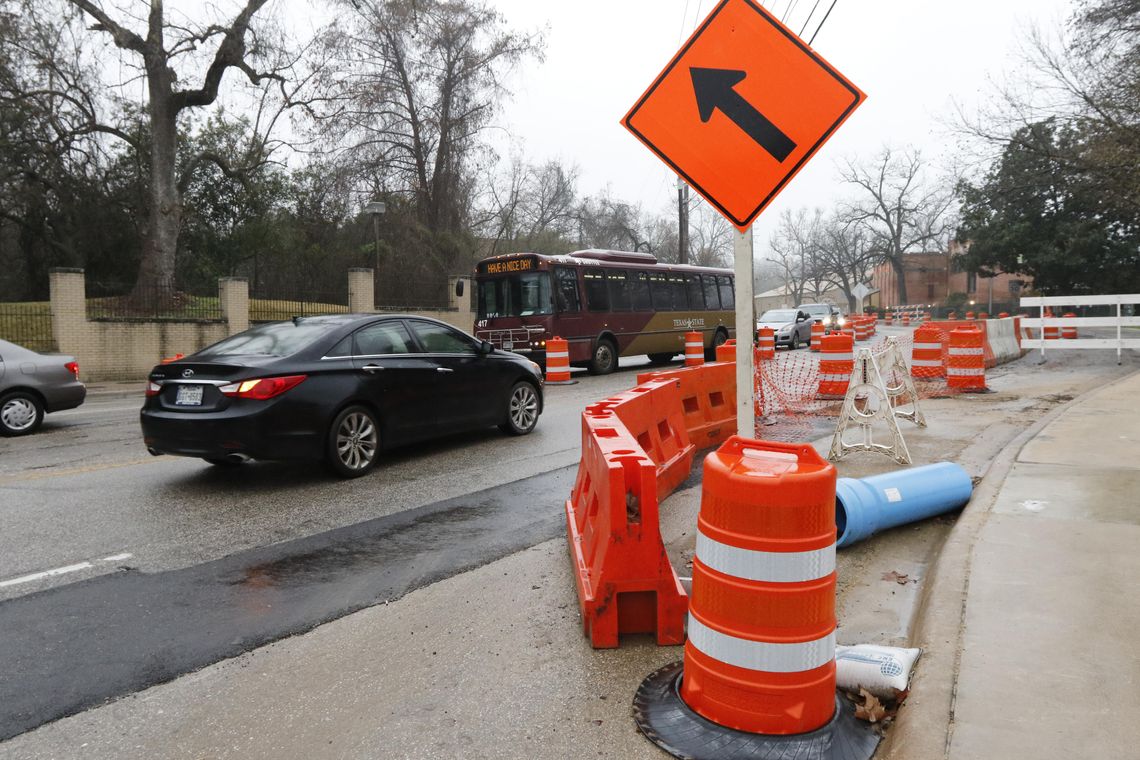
x,y
694,345
925,363
761,655
964,371
928,346
770,567
557,354
967,351
836,357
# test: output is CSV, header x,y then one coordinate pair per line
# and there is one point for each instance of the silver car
x,y
792,326
32,385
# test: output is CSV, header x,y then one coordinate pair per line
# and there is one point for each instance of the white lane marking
x,y
45,574
63,570
95,409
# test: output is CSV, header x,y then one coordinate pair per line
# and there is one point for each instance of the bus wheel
x,y
719,338
605,358
661,358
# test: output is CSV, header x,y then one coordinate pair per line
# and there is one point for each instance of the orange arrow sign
x,y
741,108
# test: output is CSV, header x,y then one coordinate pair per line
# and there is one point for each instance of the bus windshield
x,y
516,295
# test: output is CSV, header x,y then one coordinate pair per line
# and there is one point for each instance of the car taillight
x,y
262,388
73,368
153,389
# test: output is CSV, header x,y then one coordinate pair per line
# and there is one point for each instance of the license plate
x,y
189,395
507,345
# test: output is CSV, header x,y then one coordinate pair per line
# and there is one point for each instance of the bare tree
x,y
162,53
795,249
529,207
846,255
410,87
710,237
899,210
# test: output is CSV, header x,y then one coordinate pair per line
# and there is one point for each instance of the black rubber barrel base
x,y
668,722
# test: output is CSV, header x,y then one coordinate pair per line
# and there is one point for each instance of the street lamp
x,y
376,208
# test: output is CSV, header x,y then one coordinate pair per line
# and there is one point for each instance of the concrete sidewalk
x,y
1037,589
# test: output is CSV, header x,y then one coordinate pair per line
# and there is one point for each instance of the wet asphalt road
x,y
119,570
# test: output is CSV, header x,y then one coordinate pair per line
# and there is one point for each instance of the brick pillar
x,y
233,293
361,290
68,309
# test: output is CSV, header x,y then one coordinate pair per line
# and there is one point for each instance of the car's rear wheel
x,y
20,414
604,360
522,409
354,442
720,337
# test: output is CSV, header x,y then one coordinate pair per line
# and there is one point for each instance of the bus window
x,y
567,290
621,289
726,297
641,300
680,296
662,293
597,299
516,295
696,295
712,300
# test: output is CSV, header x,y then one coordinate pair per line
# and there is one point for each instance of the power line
x,y
821,23
684,18
808,19
788,11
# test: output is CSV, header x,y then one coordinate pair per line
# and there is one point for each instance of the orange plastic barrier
x,y
726,352
625,581
817,331
966,362
652,414
708,400
836,363
766,344
1068,333
557,361
760,654
694,349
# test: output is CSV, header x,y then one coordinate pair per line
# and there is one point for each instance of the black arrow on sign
x,y
713,88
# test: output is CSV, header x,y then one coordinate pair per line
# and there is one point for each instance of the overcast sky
x,y
913,58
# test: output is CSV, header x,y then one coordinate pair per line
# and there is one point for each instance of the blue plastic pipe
x,y
865,506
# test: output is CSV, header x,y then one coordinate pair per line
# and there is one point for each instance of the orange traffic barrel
x,y
906,320
817,331
926,356
1051,333
984,315
926,317
726,352
1069,333
766,344
862,329
836,362
760,652
966,360
558,362
694,349
952,315
970,315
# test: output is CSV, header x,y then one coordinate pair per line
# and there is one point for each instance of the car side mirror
x,y
459,288
486,347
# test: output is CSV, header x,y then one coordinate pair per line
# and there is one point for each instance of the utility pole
x,y
682,222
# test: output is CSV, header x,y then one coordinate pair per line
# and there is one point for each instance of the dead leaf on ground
x,y
871,709
900,578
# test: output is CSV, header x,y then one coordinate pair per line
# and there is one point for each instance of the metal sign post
x,y
745,330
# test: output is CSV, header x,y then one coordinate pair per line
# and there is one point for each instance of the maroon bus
x,y
606,304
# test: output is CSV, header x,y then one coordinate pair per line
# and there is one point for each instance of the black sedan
x,y
339,388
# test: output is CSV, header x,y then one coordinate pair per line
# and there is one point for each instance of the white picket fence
x,y
1120,321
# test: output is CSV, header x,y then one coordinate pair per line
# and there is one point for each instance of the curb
x,y
924,727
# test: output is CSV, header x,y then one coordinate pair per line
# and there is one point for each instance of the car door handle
x,y
444,369
371,368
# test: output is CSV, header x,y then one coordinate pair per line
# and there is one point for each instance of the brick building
x,y
932,278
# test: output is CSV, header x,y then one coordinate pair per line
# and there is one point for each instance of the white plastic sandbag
x,y
883,671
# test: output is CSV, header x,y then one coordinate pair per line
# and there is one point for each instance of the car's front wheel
x,y
354,442
20,414
522,409
795,341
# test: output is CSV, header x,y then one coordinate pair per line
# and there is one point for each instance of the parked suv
x,y
825,313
